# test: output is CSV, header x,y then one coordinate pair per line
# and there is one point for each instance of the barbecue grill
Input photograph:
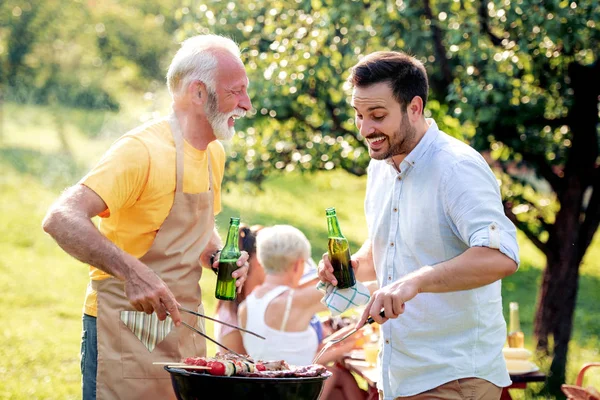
x,y
190,385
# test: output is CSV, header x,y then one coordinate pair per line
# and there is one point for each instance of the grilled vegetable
x,y
221,368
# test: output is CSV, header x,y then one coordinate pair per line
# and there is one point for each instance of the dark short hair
x,y
247,238
406,75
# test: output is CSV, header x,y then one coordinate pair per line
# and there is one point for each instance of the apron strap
x,y
178,139
179,155
210,177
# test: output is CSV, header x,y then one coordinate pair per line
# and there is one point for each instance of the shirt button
x,y
392,244
399,178
395,209
389,278
387,341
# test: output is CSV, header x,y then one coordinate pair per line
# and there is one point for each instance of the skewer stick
x,y
168,363
180,365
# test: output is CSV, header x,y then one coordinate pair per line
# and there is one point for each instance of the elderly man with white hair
x,y
156,191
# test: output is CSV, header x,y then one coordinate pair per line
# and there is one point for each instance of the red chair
x,y
577,391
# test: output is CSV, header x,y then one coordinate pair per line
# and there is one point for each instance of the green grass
x,y
42,288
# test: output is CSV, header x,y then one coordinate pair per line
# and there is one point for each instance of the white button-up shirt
x,y
444,201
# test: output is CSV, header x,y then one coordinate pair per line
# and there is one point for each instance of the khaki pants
x,y
461,389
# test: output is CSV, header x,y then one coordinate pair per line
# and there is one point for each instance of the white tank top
x,y
296,348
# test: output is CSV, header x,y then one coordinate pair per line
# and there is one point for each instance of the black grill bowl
x,y
190,385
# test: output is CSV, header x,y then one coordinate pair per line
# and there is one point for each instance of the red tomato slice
x,y
216,368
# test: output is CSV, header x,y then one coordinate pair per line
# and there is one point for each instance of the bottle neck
x,y
333,227
231,243
515,323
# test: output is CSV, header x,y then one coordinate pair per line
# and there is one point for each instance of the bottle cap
x,y
330,211
514,305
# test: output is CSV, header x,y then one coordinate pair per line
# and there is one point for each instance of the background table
x,y
520,382
369,374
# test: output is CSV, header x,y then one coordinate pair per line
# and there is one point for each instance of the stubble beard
x,y
400,142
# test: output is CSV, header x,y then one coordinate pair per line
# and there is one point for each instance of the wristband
x,y
212,261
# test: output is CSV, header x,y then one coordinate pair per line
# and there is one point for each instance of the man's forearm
x,y
476,267
78,236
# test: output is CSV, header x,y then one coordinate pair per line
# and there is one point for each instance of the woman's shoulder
x,y
265,291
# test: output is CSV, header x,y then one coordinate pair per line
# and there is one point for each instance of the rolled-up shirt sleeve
x,y
474,208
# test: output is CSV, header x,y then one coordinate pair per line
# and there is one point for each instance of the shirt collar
x,y
421,148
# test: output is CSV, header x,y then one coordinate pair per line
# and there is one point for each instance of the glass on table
x,y
371,352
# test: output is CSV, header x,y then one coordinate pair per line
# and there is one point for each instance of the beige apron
x,y
125,369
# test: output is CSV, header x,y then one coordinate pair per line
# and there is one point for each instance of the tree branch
x,y
355,170
592,217
440,50
485,27
301,118
544,170
337,123
552,123
538,218
542,166
523,228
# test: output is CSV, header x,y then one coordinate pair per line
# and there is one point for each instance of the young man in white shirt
x,y
439,242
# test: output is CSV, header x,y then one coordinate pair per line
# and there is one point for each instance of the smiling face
x,y
383,123
230,100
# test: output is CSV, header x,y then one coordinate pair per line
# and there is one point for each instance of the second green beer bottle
x,y
339,252
226,289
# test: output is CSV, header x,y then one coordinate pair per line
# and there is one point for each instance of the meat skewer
x,y
230,365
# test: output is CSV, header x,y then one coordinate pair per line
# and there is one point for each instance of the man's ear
x,y
415,109
198,93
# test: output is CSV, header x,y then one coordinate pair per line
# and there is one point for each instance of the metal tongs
x,y
220,322
330,343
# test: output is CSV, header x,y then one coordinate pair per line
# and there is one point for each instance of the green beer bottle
x,y
339,252
226,289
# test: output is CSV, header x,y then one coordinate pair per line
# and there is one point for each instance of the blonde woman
x,y
281,310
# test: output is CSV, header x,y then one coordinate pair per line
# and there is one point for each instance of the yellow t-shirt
x,y
136,180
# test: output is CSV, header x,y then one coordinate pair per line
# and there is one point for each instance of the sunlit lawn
x,y
42,288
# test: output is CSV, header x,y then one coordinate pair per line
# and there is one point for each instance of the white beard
x,y
219,121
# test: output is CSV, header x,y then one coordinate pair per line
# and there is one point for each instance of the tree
x,y
543,62
80,53
519,80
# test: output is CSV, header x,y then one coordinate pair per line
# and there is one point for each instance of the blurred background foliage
x,y
81,53
298,54
517,79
